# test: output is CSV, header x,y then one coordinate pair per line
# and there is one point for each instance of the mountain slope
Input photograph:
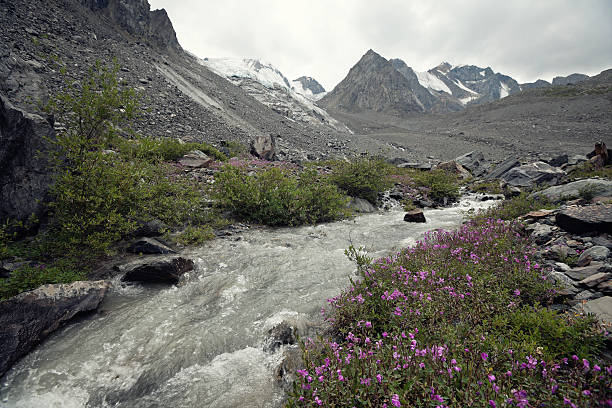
x,y
269,86
373,84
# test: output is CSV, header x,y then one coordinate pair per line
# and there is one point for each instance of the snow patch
x,y
465,88
482,73
298,88
430,81
262,72
504,90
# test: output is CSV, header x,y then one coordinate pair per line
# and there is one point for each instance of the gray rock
x,y
24,173
156,269
602,308
584,272
502,168
556,252
361,205
471,161
598,187
456,168
585,295
558,161
149,246
595,279
28,318
532,174
575,159
414,216
581,220
560,266
196,159
563,280
602,241
279,335
596,253
414,165
542,233
264,147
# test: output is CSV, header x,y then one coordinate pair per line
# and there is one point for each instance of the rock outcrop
x,y
156,269
264,147
529,175
24,171
594,187
593,218
28,318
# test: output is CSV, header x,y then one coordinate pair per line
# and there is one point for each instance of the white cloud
x,y
324,38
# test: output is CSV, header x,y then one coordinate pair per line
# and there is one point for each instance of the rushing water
x,y
199,344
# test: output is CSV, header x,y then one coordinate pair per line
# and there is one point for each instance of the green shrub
x,y
276,197
364,178
195,235
487,187
32,276
587,170
440,183
168,149
514,207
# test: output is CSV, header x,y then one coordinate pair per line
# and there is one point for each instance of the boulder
x,y
502,168
542,233
28,318
264,147
455,168
24,172
361,205
532,174
157,269
196,159
595,253
575,189
602,240
415,216
472,161
418,166
575,159
279,335
149,246
602,308
595,279
558,161
580,220
556,252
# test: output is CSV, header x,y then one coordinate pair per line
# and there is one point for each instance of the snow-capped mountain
x,y
268,85
309,87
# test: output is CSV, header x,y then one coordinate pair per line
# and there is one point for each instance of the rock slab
x,y
28,318
532,174
599,188
581,220
602,308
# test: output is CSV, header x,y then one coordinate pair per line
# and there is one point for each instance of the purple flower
x,y
492,403
484,356
395,400
379,378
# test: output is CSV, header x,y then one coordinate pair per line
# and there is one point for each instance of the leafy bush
x,y
487,187
168,149
364,178
439,183
453,321
276,197
32,276
514,207
195,235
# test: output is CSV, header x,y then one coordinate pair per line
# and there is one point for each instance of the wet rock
x,y
196,159
280,335
264,147
415,216
361,205
532,174
159,269
595,253
286,371
502,168
580,220
601,307
28,318
149,246
598,187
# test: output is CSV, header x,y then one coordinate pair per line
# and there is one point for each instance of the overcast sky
x,y
526,39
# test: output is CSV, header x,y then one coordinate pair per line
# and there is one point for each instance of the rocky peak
x,y
137,19
570,79
444,67
311,84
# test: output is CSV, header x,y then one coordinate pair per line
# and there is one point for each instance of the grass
x,y
511,209
454,321
587,170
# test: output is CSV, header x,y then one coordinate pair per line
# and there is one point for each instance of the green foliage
x,y
514,207
587,170
32,276
277,197
359,256
168,149
576,90
195,235
440,183
235,149
487,187
364,177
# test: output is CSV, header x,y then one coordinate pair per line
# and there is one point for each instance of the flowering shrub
x,y
454,322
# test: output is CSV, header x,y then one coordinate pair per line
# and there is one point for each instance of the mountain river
x,y
200,344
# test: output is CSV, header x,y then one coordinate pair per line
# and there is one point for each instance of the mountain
x,y
308,87
373,84
570,79
180,97
264,82
540,83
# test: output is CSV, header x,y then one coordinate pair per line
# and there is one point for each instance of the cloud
x,y
525,39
